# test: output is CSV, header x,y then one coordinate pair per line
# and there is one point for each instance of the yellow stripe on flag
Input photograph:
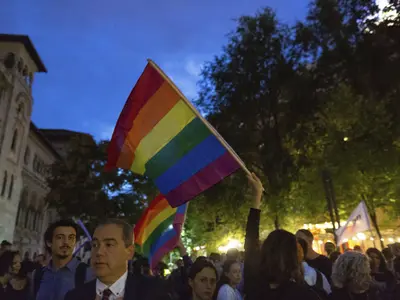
x,y
169,126
166,213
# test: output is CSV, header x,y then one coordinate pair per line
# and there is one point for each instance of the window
x,y
28,212
21,207
10,190
27,156
14,140
3,188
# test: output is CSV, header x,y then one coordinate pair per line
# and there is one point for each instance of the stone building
x,y
26,153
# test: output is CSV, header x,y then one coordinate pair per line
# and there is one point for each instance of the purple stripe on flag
x,y
222,167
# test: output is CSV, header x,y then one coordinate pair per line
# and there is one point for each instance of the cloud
x,y
193,68
185,74
100,130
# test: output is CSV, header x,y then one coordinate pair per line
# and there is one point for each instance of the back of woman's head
x,y
6,261
382,265
352,271
279,260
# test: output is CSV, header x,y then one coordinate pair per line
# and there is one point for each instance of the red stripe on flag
x,y
148,83
159,198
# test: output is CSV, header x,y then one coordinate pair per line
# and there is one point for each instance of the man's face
x,y
63,242
109,253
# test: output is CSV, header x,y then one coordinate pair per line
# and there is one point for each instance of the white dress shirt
x,y
117,288
310,276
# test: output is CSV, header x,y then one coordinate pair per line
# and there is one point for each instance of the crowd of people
x,y
283,267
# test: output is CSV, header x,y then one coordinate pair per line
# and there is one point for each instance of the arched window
x,y
27,156
26,223
22,208
3,188
14,140
10,190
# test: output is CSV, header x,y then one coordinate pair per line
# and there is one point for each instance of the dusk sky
x,y
94,51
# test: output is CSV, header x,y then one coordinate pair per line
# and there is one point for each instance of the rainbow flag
x,y
161,135
159,229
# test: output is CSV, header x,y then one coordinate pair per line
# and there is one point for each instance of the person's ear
x,y
130,252
49,244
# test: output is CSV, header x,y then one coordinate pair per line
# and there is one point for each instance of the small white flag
x,y
358,221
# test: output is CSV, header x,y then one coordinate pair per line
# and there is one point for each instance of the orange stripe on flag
x,y
151,113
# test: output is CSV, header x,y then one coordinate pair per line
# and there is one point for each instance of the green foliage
x,y
80,188
319,96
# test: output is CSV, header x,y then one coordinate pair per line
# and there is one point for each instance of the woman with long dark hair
x,y
230,278
202,280
274,271
383,280
12,277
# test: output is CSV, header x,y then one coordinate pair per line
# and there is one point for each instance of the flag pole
x,y
209,126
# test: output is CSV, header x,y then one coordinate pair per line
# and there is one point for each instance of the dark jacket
x,y
137,287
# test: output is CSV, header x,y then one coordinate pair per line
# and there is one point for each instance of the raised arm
x,y
252,243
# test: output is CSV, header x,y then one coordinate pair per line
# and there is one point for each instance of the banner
x,y
358,221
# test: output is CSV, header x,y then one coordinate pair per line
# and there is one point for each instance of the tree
x,y
278,96
247,92
80,187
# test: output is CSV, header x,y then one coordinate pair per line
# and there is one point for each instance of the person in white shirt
x,y
313,277
230,278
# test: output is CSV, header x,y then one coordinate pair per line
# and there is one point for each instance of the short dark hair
x,y
5,243
307,233
48,235
127,230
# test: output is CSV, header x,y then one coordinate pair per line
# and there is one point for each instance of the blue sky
x,y
94,51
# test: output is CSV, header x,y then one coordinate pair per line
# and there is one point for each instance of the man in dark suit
x,y
112,248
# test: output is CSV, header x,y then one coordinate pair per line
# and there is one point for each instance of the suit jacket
x,y
136,288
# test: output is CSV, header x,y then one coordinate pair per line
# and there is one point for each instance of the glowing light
x,y
391,240
361,236
382,239
371,238
398,239
197,248
345,240
320,242
232,243
345,139
355,238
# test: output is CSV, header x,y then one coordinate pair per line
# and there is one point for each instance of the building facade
x,y
26,154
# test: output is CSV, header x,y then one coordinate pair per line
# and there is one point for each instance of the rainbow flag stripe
x,y
159,228
158,134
